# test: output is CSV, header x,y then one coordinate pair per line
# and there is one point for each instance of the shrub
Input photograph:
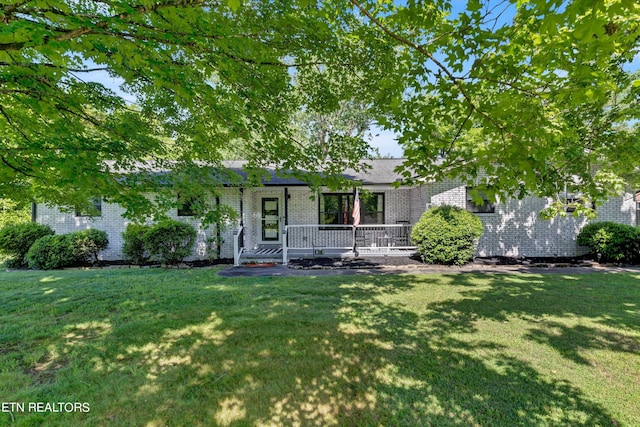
x,y
64,250
170,241
15,240
86,244
447,235
135,246
51,252
614,242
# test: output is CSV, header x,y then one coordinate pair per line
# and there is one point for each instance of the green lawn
x,y
187,347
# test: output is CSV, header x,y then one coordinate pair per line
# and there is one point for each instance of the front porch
x,y
333,241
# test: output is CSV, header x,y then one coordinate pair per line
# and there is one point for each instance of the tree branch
x,y
32,65
68,34
457,82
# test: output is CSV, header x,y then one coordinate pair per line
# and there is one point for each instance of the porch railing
x,y
238,245
316,237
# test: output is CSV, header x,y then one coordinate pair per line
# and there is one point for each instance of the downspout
x,y
241,206
285,234
218,232
34,212
286,206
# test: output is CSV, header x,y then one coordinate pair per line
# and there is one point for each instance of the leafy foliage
x,y
611,242
447,235
51,252
170,241
87,244
15,240
135,247
64,250
193,80
12,213
527,97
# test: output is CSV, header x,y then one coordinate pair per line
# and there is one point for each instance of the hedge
x,y
65,250
170,241
15,240
135,248
447,235
611,242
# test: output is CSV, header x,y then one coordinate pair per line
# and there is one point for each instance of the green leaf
x,y
234,5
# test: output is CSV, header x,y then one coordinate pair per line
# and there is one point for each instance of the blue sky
x,y
386,142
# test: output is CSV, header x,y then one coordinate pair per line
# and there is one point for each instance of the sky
x,y
386,142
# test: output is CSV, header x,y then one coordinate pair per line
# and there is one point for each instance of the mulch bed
x,y
379,262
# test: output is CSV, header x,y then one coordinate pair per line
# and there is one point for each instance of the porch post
x,y
285,249
238,246
236,249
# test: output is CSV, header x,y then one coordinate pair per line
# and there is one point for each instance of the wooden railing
x,y
238,245
317,238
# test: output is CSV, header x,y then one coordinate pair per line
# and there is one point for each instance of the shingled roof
x,y
381,172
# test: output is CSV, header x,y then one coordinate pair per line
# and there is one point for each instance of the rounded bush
x,y
135,244
15,240
50,252
65,250
447,235
170,241
87,244
612,241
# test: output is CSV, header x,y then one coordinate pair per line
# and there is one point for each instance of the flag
x,y
356,209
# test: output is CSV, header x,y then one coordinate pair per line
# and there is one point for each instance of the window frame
x,y
487,207
573,199
185,205
96,202
349,197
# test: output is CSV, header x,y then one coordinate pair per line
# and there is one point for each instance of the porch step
x,y
262,254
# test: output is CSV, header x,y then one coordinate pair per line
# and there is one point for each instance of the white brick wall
x,y
114,224
515,229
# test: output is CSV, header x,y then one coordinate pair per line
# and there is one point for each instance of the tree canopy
x,y
527,97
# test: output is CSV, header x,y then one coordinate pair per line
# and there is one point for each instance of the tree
x,y
196,76
532,97
528,97
12,213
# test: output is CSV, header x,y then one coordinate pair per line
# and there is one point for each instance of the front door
x,y
270,220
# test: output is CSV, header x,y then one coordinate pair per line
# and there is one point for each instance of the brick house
x,y
283,219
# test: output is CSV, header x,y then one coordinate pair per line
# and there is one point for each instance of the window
x,y
372,208
475,206
188,205
572,201
94,209
336,208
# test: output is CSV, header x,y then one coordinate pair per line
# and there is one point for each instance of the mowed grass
x,y
152,347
